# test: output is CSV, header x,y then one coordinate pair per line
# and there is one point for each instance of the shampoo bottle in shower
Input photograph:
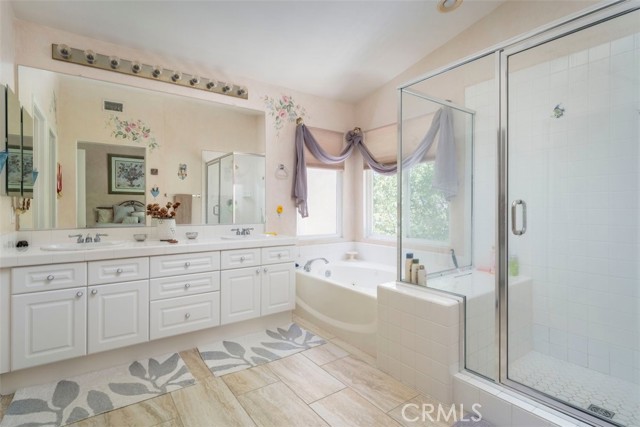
x,y
407,267
414,270
422,276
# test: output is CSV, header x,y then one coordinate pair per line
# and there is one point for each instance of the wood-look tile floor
x,y
330,385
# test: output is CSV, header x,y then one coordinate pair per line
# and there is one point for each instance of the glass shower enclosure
x,y
235,189
552,295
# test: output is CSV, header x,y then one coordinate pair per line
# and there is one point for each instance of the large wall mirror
x,y
104,150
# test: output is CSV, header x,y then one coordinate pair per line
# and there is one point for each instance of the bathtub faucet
x,y
454,258
307,266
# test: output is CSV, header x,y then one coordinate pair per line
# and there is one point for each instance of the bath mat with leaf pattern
x,y
77,398
225,357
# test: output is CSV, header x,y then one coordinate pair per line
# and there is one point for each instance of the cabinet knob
x,y
187,315
257,271
187,264
94,291
187,285
265,269
119,271
50,277
242,259
79,294
279,255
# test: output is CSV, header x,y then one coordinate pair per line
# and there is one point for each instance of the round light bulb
x,y
90,56
212,84
194,80
177,75
114,62
157,71
64,51
136,67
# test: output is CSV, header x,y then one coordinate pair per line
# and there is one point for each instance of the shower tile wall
x,y
581,246
582,249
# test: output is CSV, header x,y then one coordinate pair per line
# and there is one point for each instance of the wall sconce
x,y
155,191
88,58
182,171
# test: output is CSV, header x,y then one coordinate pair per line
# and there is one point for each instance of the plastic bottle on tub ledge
x,y
422,275
407,266
415,264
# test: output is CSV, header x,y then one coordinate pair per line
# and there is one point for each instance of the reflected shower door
x,y
572,202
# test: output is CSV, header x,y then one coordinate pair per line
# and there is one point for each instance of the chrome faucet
x,y
88,239
79,237
246,231
237,230
307,266
97,238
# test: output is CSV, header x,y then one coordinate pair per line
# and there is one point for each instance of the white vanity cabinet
x,y
48,326
182,302
246,293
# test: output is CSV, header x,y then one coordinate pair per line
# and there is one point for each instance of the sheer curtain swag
x,y
445,179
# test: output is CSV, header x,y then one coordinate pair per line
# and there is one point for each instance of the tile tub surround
x,y
419,338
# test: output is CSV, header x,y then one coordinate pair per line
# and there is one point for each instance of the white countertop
x,y
34,255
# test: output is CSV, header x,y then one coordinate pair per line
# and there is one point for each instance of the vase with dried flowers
x,y
165,220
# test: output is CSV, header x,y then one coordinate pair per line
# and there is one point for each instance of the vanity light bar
x,y
89,58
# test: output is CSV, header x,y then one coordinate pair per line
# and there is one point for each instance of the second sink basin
x,y
81,246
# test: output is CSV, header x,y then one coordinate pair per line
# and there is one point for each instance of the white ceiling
x,y
337,49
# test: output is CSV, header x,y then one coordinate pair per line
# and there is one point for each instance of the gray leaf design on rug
x,y
74,399
225,357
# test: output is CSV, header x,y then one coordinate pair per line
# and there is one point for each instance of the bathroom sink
x,y
81,246
249,237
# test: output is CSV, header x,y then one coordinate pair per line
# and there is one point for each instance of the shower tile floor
x,y
578,385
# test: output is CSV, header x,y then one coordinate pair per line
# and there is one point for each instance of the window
x,y
427,218
324,190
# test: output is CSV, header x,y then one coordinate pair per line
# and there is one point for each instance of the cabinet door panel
x,y
185,314
278,254
48,277
118,270
48,326
240,294
187,284
118,315
173,265
278,288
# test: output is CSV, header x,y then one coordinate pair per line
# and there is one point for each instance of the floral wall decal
x,y
283,109
133,130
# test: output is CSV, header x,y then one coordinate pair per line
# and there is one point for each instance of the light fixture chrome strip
x,y
62,52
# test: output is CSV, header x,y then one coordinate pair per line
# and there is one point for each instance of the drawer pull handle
x,y
94,291
187,264
119,271
187,315
50,277
257,271
187,285
279,255
79,294
242,259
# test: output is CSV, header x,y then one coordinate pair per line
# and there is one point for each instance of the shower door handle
x,y
514,209
216,210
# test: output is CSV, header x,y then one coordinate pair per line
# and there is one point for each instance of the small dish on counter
x,y
191,235
140,237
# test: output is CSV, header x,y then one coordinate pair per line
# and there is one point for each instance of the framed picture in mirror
x,y
126,174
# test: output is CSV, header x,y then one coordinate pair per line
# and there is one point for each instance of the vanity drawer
x,y
174,265
118,270
184,314
48,277
240,258
276,254
183,285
